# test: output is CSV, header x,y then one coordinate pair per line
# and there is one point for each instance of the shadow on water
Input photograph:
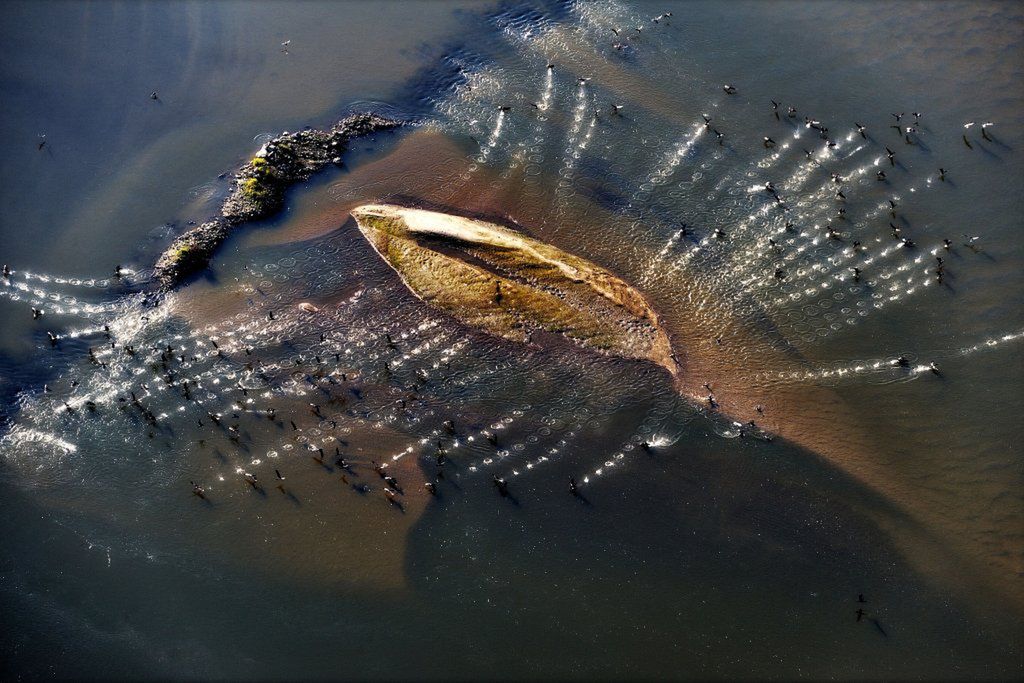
x,y
711,546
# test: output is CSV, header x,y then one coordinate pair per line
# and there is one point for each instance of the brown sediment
x,y
509,285
259,189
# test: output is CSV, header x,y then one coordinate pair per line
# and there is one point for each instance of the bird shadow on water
x,y
291,497
989,153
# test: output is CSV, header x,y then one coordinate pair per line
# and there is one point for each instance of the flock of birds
x,y
171,363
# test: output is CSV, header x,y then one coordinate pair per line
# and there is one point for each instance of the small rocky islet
x,y
259,188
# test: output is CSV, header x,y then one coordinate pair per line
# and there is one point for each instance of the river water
x,y
697,548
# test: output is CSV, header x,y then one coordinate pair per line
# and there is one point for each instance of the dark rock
x,y
259,189
190,253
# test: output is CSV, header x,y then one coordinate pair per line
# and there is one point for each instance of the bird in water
x,y
501,485
765,258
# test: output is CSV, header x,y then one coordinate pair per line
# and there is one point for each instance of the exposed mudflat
x,y
507,284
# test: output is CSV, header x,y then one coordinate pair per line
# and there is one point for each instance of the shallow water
x,y
713,553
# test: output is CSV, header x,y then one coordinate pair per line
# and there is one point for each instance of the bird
x,y
501,485
729,89
970,243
